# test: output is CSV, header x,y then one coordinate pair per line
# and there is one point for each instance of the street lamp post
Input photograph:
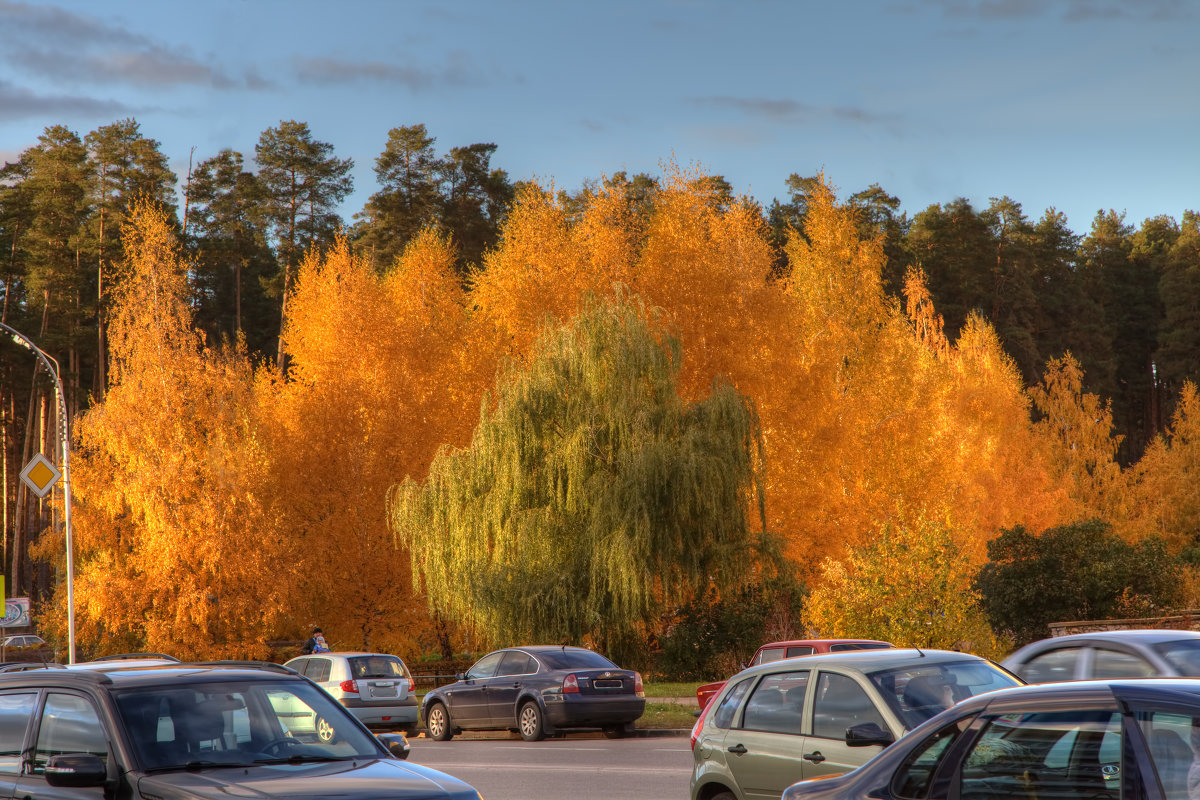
x,y
64,438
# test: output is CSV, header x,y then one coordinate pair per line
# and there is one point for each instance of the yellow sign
x,y
40,475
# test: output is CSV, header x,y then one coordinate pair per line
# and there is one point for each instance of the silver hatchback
x,y
377,688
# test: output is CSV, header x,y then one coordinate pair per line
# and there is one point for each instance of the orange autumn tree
x,y
382,371
1165,500
174,553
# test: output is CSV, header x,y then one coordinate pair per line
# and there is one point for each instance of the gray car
x,y
377,688
1109,654
777,723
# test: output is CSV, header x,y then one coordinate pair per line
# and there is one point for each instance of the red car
x,y
777,651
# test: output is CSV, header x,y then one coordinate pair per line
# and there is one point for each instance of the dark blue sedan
x,y
537,692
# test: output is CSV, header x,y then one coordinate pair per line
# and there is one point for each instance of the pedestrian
x,y
316,643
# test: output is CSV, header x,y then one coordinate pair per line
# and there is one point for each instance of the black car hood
x,y
382,779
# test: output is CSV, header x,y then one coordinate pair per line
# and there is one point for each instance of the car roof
x,y
549,648
1151,636
126,673
868,660
1046,694
347,654
818,642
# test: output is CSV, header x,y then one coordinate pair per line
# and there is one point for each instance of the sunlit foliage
x,y
591,495
173,550
908,586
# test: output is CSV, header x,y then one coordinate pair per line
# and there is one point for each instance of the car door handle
x,y
815,757
516,684
738,749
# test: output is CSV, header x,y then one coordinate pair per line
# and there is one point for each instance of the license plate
x,y
383,690
608,684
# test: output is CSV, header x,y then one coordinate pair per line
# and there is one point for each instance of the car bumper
x,y
581,712
377,714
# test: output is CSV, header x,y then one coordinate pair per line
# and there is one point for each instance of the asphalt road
x,y
572,768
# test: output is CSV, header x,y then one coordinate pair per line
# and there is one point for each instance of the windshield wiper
x,y
298,759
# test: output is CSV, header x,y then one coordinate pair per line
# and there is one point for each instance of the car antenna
x,y
918,649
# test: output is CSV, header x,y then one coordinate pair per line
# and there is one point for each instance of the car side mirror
x,y
76,770
396,743
460,676
866,734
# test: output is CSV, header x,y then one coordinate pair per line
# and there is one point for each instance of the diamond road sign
x,y
40,475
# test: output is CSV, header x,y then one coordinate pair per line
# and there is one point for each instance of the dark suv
x,y
205,730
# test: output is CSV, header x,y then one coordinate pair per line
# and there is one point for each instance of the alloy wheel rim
x,y
528,720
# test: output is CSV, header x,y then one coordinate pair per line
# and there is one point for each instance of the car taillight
x,y
412,685
571,684
700,724
638,687
348,686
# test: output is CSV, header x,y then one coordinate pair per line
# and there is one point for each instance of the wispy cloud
x,y
785,110
459,70
18,103
46,41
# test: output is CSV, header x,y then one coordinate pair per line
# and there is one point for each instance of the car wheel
x,y
614,731
529,722
437,723
723,796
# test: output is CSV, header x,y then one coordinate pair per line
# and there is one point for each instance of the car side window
x,y
1051,666
1116,664
486,666
839,704
727,710
1052,754
15,711
914,778
805,650
516,663
318,669
767,655
777,704
1172,738
69,724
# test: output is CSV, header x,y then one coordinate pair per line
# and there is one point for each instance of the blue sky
x,y
1081,105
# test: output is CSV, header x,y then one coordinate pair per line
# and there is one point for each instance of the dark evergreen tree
x,y
304,182
1178,358
234,264
408,172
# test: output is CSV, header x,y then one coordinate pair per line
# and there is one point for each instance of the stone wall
x,y
1184,621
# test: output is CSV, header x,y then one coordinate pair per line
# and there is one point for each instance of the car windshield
x,y
1183,655
918,691
574,659
239,723
376,667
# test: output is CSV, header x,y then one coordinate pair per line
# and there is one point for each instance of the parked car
x,y
377,688
22,640
195,731
777,651
776,723
1093,739
1109,654
537,691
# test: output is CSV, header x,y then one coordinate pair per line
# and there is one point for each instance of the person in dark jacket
x,y
316,643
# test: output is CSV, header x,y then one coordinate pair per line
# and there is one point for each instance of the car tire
x,y
723,796
614,731
529,722
437,723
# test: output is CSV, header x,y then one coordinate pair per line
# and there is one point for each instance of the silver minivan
x,y
377,688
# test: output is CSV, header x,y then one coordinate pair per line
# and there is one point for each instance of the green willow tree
x,y
591,498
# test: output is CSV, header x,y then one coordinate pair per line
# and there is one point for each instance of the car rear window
x,y
837,648
376,667
574,659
